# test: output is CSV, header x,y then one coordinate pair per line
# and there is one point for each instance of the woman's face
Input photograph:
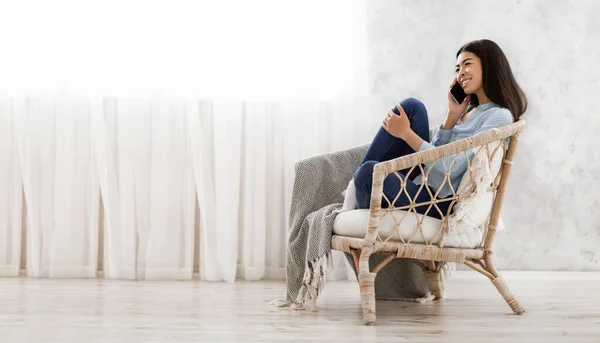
x,y
468,72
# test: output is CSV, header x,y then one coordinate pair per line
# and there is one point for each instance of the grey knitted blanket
x,y
317,194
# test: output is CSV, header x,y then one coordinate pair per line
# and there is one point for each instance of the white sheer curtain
x,y
158,138
11,194
60,184
147,187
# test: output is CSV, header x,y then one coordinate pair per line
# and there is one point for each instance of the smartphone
x,y
458,93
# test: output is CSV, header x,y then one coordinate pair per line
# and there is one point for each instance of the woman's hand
x,y
397,125
455,110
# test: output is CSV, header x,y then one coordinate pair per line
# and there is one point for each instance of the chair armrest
x,y
461,145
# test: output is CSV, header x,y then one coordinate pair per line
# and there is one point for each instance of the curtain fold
x,y
114,153
60,185
11,194
148,189
172,196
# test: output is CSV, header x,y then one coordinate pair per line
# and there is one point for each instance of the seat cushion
x,y
355,223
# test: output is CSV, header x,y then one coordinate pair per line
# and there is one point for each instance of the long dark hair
x,y
499,83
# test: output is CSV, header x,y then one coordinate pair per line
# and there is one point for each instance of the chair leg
x,y
367,296
501,286
491,272
507,295
366,281
434,281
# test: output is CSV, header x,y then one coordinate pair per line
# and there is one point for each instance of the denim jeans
x,y
386,147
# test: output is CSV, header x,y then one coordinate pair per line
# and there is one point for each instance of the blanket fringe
x,y
447,270
421,300
313,283
278,303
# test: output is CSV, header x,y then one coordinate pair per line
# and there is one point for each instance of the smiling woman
x,y
494,99
483,71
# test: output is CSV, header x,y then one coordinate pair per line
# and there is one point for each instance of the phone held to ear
x,y
458,93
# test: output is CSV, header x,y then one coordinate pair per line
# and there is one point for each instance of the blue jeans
x,y
386,147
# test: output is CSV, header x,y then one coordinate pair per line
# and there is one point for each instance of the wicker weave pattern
x,y
435,255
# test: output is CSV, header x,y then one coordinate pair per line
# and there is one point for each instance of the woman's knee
x,y
414,107
364,174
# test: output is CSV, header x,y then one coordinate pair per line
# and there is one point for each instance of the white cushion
x,y
349,198
474,211
355,223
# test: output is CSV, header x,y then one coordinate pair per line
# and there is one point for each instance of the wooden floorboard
x,y
561,307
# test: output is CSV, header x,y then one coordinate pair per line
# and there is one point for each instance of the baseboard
x,y
10,270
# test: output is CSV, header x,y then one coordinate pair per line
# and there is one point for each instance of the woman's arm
x,y
498,118
413,140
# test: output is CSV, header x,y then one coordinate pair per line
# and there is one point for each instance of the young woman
x,y
494,99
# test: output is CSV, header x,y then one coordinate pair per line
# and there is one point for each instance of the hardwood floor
x,y
561,307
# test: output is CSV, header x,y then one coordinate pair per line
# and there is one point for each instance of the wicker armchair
x,y
400,232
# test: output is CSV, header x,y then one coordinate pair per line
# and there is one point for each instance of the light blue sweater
x,y
485,117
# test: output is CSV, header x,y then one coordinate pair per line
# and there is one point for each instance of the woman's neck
x,y
481,97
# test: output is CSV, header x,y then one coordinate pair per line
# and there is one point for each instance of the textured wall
x,y
552,208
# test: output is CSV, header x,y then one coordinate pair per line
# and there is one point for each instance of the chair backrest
x,y
493,154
